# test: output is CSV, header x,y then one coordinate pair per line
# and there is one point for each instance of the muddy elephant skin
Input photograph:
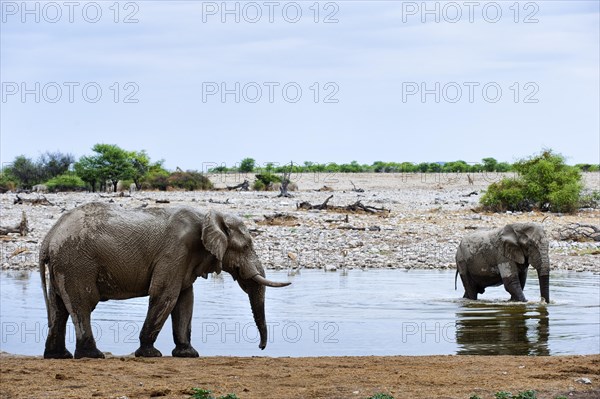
x,y
98,252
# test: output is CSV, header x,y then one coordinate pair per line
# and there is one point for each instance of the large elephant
x,y
501,256
98,252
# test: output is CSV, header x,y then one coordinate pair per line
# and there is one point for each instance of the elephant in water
x,y
493,257
98,252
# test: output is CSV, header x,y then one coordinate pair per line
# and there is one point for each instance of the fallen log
x,y
356,207
280,219
212,201
22,228
308,206
357,190
244,186
579,232
370,228
33,201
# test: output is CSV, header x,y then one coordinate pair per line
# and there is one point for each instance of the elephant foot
x,y
88,352
185,351
518,299
147,351
60,354
466,296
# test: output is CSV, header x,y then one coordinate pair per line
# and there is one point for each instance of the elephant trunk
x,y
256,294
541,262
253,281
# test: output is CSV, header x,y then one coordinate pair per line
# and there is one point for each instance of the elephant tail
x,y
42,264
455,277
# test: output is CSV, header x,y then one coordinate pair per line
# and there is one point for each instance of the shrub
x,y
265,181
156,181
7,183
65,182
506,195
545,182
381,396
190,180
199,393
258,185
587,167
590,200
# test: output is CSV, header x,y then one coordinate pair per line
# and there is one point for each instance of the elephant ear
x,y
510,245
214,234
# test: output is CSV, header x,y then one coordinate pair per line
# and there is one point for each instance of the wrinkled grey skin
x,y
98,252
501,256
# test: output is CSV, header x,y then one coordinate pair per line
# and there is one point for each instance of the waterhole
x,y
375,312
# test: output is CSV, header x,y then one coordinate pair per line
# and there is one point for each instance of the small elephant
x,y
493,257
98,252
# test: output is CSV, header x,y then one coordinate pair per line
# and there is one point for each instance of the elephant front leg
x,y
158,310
510,277
181,316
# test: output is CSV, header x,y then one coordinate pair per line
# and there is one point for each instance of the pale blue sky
x,y
371,61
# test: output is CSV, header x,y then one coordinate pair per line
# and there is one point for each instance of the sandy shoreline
x,y
426,377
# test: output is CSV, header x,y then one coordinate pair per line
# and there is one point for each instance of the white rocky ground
x,y
429,215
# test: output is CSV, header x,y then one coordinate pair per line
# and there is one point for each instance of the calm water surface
x,y
376,312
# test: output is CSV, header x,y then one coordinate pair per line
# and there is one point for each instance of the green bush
x,y
258,185
545,182
587,167
7,183
65,182
199,393
590,200
381,396
190,180
157,178
506,195
265,181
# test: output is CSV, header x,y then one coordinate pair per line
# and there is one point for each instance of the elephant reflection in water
x,y
504,330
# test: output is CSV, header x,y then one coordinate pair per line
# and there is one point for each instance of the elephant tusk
x,y
261,280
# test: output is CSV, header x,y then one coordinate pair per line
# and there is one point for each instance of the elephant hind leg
x,y
57,327
80,311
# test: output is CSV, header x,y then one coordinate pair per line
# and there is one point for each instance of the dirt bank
x,y
334,377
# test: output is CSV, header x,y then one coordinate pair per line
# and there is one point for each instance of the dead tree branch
x,y
33,201
244,186
579,232
22,227
285,181
356,207
357,190
370,228
226,202
308,206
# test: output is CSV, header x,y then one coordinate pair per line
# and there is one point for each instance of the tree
x,y
25,171
247,165
140,166
489,164
88,169
52,164
114,163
